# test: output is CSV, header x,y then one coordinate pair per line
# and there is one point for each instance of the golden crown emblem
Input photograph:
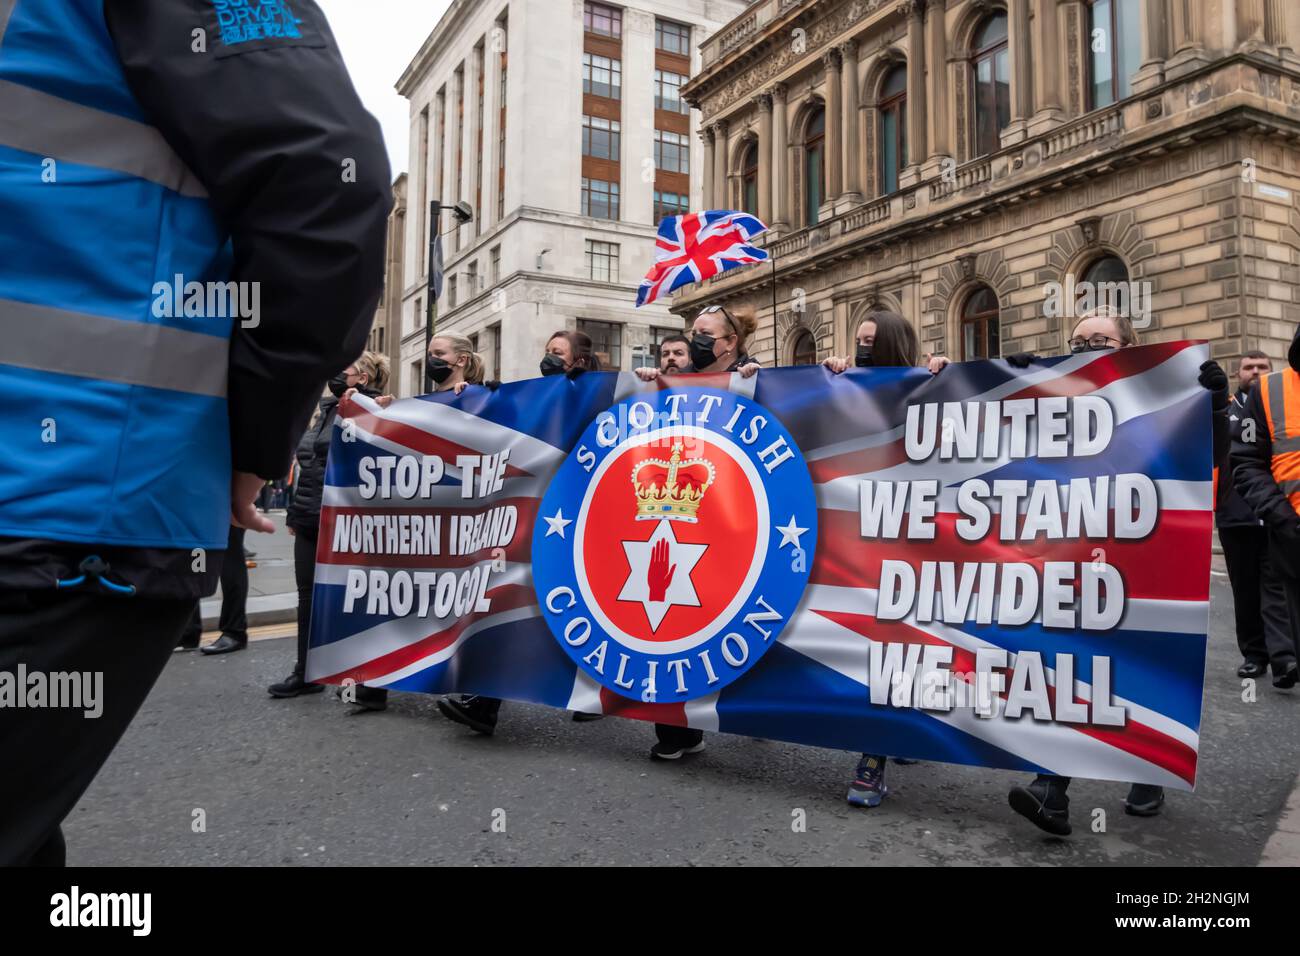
x,y
671,489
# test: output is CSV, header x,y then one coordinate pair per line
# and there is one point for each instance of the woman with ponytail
x,y
569,353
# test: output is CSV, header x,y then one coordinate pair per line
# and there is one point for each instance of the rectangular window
x,y
459,145
603,21
479,66
602,76
495,259
599,199
1115,53
600,138
668,92
672,37
672,152
471,283
501,138
602,261
422,213
606,342
451,292
670,204
496,351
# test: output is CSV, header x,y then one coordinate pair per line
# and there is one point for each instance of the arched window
x,y
804,349
893,128
814,165
980,336
1104,282
749,180
991,79
1114,50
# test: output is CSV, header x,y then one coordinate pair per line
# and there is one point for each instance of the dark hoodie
x,y
313,451
1252,476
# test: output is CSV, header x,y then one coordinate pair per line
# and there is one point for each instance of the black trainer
x,y
369,698
1287,678
1144,800
293,686
663,751
1043,803
474,711
1250,668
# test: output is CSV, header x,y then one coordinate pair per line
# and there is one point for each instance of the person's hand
x,y
647,374
1021,359
243,508
748,370
1214,380
459,387
383,401
935,363
292,533
836,364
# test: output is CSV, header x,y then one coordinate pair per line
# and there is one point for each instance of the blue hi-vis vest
x,y
115,428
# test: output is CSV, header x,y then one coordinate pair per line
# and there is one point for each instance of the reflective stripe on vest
x,y
1281,394
120,430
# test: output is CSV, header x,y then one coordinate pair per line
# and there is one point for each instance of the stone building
x,y
561,124
974,164
386,330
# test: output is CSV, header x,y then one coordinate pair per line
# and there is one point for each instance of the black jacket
x,y
312,454
1233,511
297,172
1252,476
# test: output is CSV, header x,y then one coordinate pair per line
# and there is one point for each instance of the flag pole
x,y
773,258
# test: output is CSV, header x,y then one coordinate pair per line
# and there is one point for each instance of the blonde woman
x,y
368,375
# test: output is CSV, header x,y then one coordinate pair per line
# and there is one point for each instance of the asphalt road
x,y
305,782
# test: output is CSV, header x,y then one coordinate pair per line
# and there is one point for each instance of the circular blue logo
x,y
674,543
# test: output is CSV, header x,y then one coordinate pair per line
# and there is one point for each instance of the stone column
x,y
936,59
1152,71
1275,32
850,158
834,127
763,101
721,199
1021,75
1189,39
916,98
780,160
706,135
1049,72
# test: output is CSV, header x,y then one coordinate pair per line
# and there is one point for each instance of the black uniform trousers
x,y
50,754
304,573
1259,598
234,594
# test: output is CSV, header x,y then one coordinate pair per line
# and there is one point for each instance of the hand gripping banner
x,y
990,566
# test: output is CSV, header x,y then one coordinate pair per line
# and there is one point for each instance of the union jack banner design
x,y
698,246
990,566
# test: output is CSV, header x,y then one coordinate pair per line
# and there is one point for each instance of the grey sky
x,y
378,39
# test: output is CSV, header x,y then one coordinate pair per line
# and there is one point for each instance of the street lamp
x,y
464,213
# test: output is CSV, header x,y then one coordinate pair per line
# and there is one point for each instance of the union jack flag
x,y
698,246
813,685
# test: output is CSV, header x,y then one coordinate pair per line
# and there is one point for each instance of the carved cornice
x,y
771,56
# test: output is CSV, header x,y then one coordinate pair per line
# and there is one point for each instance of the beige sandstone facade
x,y
1190,180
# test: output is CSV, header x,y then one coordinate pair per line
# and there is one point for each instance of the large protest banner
x,y
989,566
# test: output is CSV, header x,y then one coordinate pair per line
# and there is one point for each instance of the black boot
x,y
224,645
475,712
1044,804
1287,678
294,686
1144,800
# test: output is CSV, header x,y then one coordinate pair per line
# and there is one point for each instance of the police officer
x,y
1266,472
151,152
1258,599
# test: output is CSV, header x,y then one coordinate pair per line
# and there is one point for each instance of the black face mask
x,y
552,364
862,357
702,351
338,385
438,370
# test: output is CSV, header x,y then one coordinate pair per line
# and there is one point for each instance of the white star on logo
x,y
681,559
557,524
790,534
